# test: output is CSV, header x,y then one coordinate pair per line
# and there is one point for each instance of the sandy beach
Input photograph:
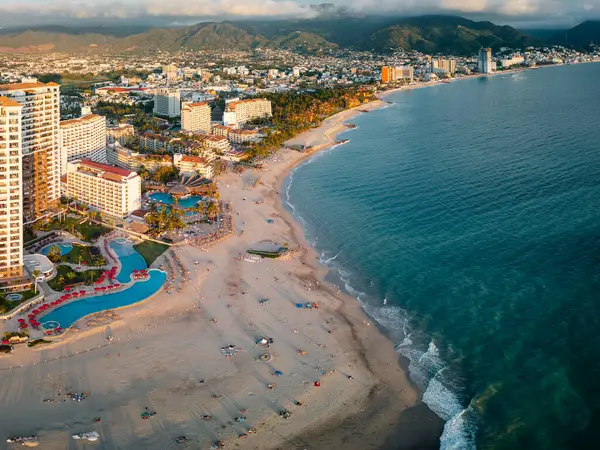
x,y
340,377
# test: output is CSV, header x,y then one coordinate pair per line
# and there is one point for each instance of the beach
x,y
192,356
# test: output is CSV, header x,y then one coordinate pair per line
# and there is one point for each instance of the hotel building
x,y
122,133
83,138
112,190
484,62
446,65
239,112
167,102
195,117
11,200
391,74
40,118
188,164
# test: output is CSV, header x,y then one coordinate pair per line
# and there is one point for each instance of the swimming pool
x,y
65,247
70,313
167,199
129,258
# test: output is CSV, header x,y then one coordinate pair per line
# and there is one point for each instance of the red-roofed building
x,y
193,164
111,190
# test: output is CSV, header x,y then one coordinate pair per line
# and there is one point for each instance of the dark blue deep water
x,y
466,219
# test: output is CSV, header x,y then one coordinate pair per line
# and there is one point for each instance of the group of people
x,y
225,228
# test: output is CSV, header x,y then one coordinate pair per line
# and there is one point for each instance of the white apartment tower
x,y
239,112
195,117
167,102
40,118
484,62
11,200
83,138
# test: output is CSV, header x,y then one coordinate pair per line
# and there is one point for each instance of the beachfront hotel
x,y
191,165
239,112
40,117
195,117
11,200
167,102
111,190
82,138
390,74
484,61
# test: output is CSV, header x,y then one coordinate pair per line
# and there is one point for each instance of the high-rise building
x,y
112,190
241,111
446,65
83,138
484,62
195,117
390,74
11,200
40,127
167,102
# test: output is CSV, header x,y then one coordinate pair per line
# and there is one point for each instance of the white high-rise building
x,y
112,190
11,200
83,138
167,102
195,117
484,62
239,112
40,125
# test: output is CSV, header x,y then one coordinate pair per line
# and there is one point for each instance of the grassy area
x,y
67,276
266,254
7,305
83,254
150,250
28,234
67,224
37,342
91,231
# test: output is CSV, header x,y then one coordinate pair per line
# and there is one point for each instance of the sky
x,y
535,13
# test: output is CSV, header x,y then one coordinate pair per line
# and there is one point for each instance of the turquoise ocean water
x,y
466,219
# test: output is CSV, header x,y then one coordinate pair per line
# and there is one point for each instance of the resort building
x,y
112,190
443,65
126,158
83,138
40,125
234,135
239,112
122,133
195,117
11,200
216,144
167,102
193,165
391,74
155,142
484,61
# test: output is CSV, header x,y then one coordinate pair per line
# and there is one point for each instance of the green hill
x,y
581,36
433,34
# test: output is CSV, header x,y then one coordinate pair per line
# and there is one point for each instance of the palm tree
x,y
36,274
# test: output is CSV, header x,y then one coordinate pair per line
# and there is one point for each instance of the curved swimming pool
x,y
168,199
130,260
70,313
64,247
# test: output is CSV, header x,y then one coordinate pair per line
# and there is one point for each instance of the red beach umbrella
x,y
21,320
67,288
31,316
58,330
23,325
35,311
45,305
5,341
82,292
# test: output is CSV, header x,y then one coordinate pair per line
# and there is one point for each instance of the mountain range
x,y
431,34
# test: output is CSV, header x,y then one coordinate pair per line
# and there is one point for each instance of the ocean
x,y
465,218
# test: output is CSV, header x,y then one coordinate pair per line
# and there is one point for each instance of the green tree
x,y
54,254
36,274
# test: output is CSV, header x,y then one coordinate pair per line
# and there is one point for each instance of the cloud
x,y
22,12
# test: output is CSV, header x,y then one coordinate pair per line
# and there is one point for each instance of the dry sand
x,y
166,353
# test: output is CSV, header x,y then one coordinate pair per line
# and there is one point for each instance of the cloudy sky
x,y
175,12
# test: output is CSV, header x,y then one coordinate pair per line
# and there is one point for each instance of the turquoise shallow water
x,y
466,219
65,247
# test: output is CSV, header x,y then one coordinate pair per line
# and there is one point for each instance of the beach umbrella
x,y
299,305
23,325
5,341
45,305
82,292
35,311
22,320
31,316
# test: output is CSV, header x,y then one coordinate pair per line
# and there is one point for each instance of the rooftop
x,y
106,168
81,120
22,86
8,103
